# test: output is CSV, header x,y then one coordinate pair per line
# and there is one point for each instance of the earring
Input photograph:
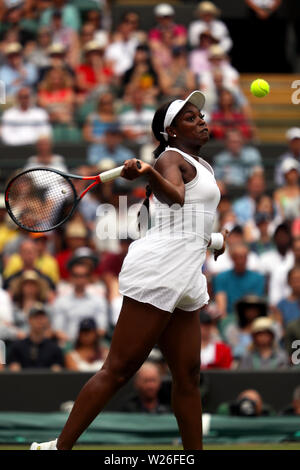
x,y
174,135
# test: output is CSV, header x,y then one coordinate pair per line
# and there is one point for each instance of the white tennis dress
x,y
164,268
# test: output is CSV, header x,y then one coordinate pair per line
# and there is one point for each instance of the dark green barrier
x,y
125,428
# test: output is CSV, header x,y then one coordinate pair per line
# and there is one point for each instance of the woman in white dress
x,y
161,278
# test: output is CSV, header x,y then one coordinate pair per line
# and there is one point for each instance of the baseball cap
x,y
37,309
290,164
164,9
87,324
293,133
261,217
81,253
196,97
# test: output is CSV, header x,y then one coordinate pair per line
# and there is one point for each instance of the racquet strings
x,y
40,199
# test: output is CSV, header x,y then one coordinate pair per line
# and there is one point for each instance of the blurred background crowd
x,y
73,76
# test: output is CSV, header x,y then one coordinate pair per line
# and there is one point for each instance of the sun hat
x,y
13,48
208,7
293,133
29,275
289,164
196,97
262,324
164,9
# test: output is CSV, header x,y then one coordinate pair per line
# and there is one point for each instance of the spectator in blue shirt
x,y
236,162
229,286
15,73
289,307
244,207
111,148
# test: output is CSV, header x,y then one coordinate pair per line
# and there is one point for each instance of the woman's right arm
x,y
165,180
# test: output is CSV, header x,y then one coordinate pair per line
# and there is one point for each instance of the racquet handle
x,y
110,175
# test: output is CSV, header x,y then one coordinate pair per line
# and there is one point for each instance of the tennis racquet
x,y
42,199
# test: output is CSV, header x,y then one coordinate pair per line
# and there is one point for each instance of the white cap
x,y
293,133
196,97
289,164
164,9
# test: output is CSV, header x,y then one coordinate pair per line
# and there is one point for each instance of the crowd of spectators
x,y
71,76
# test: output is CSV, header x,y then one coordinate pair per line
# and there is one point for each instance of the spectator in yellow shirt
x,y
33,254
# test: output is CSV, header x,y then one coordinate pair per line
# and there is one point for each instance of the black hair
x,y
157,128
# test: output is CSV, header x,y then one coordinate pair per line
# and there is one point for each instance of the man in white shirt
x,y
45,157
208,13
24,123
70,309
136,121
121,52
275,264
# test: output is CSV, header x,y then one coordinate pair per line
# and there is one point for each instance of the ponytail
x,y
157,129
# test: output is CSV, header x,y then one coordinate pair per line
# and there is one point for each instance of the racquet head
x,y
40,199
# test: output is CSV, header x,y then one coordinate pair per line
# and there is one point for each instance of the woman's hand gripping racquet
x,y
42,199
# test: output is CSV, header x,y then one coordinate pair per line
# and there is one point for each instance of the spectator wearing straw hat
x,y
94,71
264,353
16,73
25,291
207,14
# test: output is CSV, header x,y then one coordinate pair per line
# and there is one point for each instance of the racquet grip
x,y
110,175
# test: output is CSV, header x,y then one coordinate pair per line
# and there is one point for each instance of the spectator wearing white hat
x,y
25,122
264,352
287,198
207,14
15,73
293,151
164,15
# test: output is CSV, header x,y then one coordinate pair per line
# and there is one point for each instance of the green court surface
x,y
248,446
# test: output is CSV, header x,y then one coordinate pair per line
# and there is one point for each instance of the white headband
x,y
196,97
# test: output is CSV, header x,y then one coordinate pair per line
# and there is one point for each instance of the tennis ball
x,y
259,88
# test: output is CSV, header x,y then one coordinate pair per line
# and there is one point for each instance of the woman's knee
x,y
187,377
119,370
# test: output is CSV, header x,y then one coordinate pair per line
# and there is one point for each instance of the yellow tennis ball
x,y
259,88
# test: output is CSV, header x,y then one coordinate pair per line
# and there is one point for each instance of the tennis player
x,y
161,278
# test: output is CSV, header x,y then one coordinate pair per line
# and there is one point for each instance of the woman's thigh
x,y
137,331
180,344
